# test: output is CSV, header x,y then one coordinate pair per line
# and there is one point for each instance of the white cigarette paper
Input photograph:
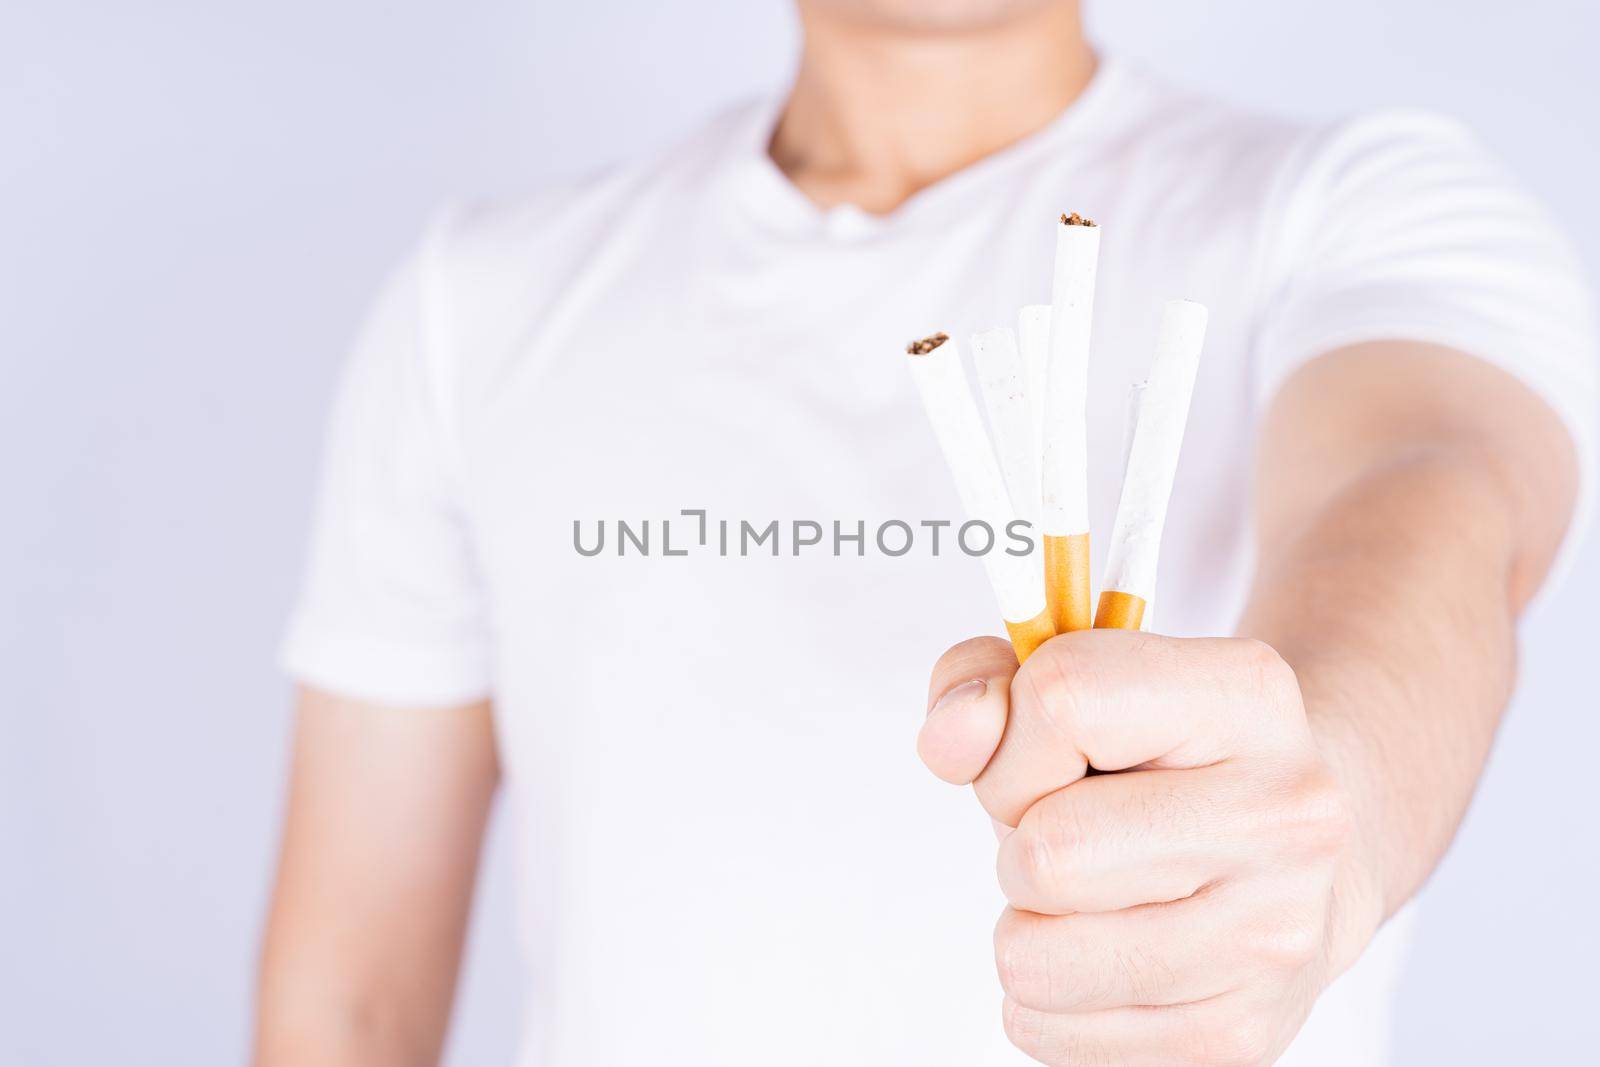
x,y
1003,380
1033,338
959,428
1136,405
1162,410
1065,433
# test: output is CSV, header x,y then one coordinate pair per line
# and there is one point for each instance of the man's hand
x,y
1187,909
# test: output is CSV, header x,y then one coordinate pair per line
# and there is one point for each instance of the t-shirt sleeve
x,y
1400,226
393,609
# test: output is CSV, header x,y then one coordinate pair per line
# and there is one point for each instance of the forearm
x,y
312,1014
1275,806
1395,604
387,808
335,1034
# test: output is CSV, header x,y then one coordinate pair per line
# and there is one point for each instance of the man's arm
x,y
1410,502
1275,806
387,808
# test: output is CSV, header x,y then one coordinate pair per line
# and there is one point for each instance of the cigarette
x,y
1003,380
1135,405
1161,409
1064,515
936,369
1033,338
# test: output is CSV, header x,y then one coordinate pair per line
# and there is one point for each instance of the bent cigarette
x,y
1065,465
1003,380
1135,405
936,369
1161,408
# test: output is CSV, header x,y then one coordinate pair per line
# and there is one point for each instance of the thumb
x,y
968,699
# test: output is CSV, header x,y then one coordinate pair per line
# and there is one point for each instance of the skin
x,y
387,808
894,95
1277,794
1280,793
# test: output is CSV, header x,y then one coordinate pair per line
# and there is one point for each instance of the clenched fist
x,y
1187,908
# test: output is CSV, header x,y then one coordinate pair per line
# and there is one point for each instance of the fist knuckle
x,y
1289,943
1053,848
1015,958
1054,682
1061,821
1146,975
1322,813
1024,1027
1080,1051
1234,1039
1050,1043
1040,866
1271,672
1308,813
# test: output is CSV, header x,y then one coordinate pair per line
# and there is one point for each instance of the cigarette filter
x,y
1065,482
1160,408
936,368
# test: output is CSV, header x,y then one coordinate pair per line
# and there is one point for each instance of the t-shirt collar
x,y
778,203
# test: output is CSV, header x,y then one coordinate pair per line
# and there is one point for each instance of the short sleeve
x,y
392,608
1400,226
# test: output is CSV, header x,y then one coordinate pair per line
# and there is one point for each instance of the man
x,y
728,856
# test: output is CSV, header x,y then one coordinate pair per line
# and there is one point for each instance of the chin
x,y
933,15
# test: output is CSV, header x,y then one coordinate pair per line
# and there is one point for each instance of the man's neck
x,y
879,112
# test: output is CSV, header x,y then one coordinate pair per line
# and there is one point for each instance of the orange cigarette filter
x,y
1158,414
1026,637
1066,575
953,414
1119,611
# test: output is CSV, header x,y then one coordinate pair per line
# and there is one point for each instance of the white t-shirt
x,y
729,852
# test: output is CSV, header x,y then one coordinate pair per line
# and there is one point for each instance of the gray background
x,y
198,199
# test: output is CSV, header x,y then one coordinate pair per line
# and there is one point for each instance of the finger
x,y
967,700
1222,1030
1152,956
1149,837
1115,699
1121,840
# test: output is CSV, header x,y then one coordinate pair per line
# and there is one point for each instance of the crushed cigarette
x,y
953,413
1003,381
1160,407
1035,383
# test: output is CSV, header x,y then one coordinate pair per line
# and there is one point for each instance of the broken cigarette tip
x,y
927,344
